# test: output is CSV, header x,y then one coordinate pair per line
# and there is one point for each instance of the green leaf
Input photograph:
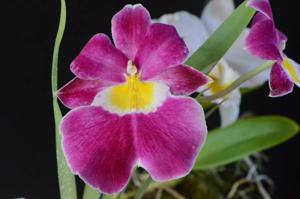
x,y
221,40
243,138
90,193
66,180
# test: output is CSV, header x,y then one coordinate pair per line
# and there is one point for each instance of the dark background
x,y
27,148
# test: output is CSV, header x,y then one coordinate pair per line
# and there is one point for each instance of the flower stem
x,y
90,193
213,109
243,78
143,189
119,195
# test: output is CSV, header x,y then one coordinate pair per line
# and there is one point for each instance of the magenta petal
x,y
182,79
99,147
80,92
263,41
262,6
129,27
99,59
168,140
259,17
279,83
161,49
281,37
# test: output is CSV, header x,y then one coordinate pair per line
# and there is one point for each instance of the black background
x,y
27,148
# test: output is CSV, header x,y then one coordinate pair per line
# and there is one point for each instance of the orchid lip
x,y
132,96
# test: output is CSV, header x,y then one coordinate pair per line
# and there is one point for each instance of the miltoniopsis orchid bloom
x,y
267,42
237,61
128,105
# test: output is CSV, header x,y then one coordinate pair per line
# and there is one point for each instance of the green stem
x,y
90,193
107,197
143,189
213,109
66,179
119,195
236,84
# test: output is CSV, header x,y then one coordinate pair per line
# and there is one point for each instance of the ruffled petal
x,y
182,79
230,109
161,49
168,140
80,92
259,17
263,41
242,61
282,38
189,27
262,6
292,69
99,147
99,59
215,13
129,27
279,83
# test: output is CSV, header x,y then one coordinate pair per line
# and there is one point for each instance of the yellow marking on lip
x,y
291,70
134,94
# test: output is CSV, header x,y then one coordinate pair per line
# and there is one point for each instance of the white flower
x,y
236,61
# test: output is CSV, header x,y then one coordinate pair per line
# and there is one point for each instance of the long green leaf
x,y
67,185
243,138
222,39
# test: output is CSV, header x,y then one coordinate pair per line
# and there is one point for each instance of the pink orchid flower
x,y
267,42
128,105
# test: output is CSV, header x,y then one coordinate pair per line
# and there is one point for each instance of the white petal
x,y
241,61
215,13
189,27
237,57
224,73
230,109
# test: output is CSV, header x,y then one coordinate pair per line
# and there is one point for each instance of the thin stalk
x,y
90,193
173,193
159,193
213,109
243,78
143,189
153,186
119,196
